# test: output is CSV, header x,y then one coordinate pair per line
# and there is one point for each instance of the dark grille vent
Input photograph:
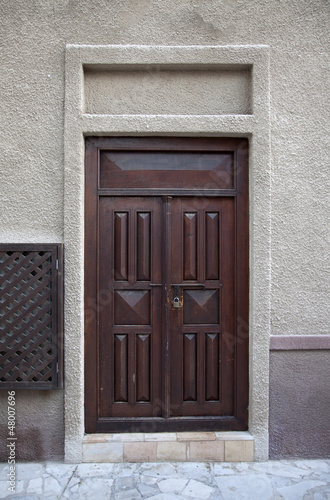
x,y
30,316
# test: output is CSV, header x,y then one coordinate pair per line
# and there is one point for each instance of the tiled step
x,y
169,446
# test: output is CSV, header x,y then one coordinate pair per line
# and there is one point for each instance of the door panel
x,y
202,366
166,284
130,253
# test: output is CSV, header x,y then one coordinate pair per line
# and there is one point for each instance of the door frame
x,y
255,126
238,345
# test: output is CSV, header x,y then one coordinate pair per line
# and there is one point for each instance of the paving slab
x,y
196,489
272,480
246,486
299,490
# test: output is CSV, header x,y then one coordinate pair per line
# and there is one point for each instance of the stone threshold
x,y
169,447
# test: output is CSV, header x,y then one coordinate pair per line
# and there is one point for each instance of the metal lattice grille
x,y
28,318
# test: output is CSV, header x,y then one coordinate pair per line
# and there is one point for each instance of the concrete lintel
x,y
216,125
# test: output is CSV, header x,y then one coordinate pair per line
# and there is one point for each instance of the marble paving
x,y
272,480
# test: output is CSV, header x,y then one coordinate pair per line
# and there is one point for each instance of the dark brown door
x,y
166,285
202,264
130,245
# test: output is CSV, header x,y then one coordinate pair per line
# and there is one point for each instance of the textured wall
x,y
299,404
33,37
39,425
152,92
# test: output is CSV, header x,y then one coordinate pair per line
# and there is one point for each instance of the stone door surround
x,y
241,74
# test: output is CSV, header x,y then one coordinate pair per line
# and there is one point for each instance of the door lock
x,y
176,303
176,298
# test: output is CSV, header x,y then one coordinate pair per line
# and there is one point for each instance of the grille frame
x,y
31,316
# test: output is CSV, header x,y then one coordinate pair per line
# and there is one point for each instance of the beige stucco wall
x,y
176,92
33,39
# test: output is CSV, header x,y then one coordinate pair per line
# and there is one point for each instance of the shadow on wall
x,y
39,426
31,445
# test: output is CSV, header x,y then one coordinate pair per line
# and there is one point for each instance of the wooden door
x,y
130,246
202,264
166,286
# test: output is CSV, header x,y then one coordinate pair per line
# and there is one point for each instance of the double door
x,y
164,343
